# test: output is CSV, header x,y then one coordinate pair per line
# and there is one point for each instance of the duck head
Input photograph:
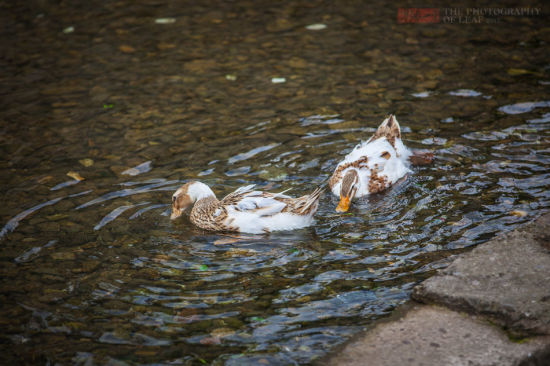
x,y
187,195
349,187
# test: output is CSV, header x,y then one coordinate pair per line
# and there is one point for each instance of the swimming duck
x,y
244,210
374,165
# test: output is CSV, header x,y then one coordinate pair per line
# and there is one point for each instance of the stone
x,y
51,226
298,63
98,94
507,279
279,25
63,256
434,74
199,66
429,335
127,49
86,162
89,266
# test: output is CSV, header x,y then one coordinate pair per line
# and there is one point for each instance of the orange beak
x,y
343,206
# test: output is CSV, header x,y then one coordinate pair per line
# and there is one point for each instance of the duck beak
x,y
175,213
343,206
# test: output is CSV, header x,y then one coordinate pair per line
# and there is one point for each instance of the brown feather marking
x,y
337,175
377,183
203,215
390,130
180,199
347,182
386,155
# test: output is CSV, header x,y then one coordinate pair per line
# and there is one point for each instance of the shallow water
x,y
130,108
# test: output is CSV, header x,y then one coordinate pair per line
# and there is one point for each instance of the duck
x,y
245,210
375,165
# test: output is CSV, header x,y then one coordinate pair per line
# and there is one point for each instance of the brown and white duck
x,y
375,165
245,210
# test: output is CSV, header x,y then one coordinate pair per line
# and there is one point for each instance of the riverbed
x,y
108,107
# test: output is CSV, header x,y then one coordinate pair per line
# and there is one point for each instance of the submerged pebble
x,y
316,26
165,20
75,175
86,162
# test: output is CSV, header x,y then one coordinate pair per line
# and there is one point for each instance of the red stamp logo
x,y
418,15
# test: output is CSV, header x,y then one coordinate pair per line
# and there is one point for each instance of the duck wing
x,y
258,203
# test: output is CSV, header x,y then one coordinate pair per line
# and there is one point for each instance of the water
x,y
94,271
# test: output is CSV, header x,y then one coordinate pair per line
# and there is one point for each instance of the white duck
x,y
374,165
244,210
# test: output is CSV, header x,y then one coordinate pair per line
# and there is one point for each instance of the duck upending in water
x,y
244,210
374,165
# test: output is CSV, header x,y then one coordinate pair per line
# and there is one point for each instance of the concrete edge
x,y
539,357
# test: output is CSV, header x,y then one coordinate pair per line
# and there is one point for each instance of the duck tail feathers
x,y
312,200
389,129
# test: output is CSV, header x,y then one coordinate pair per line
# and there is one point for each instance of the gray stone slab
x,y
507,279
429,335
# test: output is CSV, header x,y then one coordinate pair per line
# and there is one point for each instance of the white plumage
x,y
245,210
372,166
394,168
